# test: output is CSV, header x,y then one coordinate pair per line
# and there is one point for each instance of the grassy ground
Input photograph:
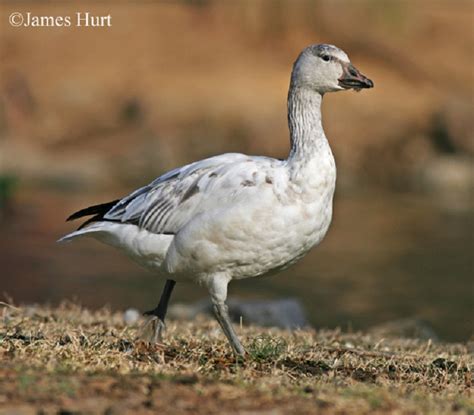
x,y
71,360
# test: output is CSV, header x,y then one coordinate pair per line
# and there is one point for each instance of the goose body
x,y
235,216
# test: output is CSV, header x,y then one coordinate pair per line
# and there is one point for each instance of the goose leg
x,y
218,291
222,315
154,326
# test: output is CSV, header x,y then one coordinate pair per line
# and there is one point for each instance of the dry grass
x,y
72,360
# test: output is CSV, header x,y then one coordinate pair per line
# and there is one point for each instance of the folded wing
x,y
171,200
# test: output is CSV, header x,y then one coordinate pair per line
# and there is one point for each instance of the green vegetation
x,y
72,360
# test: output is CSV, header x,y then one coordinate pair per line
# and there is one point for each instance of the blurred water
x,y
386,256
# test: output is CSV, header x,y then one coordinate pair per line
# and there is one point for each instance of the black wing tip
x,y
75,215
100,210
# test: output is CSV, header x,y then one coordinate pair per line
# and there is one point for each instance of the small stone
x,y
131,316
286,313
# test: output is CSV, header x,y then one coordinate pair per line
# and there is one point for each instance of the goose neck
x,y
304,120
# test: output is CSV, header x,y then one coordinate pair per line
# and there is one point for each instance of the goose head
x,y
326,68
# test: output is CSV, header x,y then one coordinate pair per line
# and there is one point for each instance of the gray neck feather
x,y
306,131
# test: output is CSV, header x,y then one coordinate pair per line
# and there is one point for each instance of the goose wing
x,y
170,201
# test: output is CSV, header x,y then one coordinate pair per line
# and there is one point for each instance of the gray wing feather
x,y
167,203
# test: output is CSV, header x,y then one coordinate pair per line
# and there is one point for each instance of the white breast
x,y
260,233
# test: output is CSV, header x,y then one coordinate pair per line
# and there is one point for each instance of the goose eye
x,y
325,58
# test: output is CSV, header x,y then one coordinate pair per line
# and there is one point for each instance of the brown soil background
x,y
172,82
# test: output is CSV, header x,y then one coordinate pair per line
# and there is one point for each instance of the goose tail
x,y
89,230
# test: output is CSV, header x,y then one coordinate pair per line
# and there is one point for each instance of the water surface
x,y
387,256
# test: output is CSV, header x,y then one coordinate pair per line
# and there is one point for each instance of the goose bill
x,y
352,79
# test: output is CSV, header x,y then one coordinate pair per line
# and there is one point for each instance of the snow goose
x,y
235,216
